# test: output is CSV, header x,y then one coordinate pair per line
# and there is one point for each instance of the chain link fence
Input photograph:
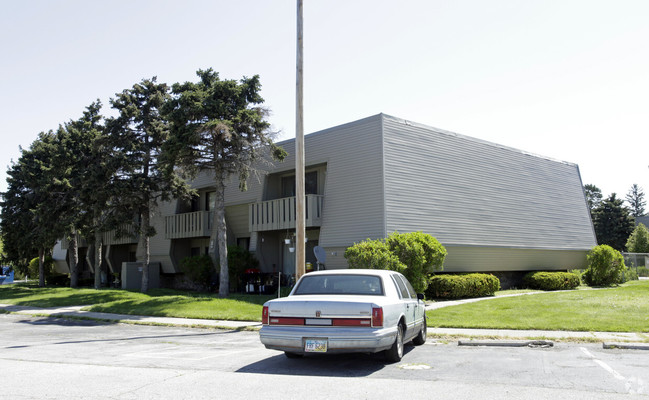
x,y
638,261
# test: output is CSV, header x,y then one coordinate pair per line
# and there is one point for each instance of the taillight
x,y
264,315
377,316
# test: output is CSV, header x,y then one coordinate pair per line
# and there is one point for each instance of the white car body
x,y
343,311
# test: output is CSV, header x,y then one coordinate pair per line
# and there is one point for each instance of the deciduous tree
x,y
639,240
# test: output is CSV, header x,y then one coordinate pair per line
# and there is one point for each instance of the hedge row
x,y
462,286
551,280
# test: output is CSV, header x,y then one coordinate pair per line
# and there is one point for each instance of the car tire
x,y
288,354
421,337
395,353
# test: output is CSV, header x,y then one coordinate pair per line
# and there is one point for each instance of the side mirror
x,y
420,296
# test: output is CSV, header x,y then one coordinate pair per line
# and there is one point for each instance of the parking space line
x,y
602,364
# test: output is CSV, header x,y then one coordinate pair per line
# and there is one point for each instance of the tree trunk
x,y
220,238
144,246
41,267
97,260
74,260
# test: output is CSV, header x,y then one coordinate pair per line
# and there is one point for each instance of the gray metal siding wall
x,y
465,191
353,190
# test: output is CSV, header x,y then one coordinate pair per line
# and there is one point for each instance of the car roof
x,y
380,272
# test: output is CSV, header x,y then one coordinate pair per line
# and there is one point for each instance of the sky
x,y
566,79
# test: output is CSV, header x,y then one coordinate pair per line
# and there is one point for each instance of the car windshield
x,y
340,284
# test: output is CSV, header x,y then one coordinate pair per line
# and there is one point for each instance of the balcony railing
x,y
280,213
127,231
188,225
127,235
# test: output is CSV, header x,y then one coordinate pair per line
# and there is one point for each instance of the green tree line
x,y
613,221
96,174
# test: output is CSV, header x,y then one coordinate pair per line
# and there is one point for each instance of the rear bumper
x,y
340,340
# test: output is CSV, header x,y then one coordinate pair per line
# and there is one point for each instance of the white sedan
x,y
344,311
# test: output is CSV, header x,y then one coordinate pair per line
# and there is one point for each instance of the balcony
x,y
188,225
127,235
280,213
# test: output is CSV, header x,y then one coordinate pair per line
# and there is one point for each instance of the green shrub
x,y
629,274
462,286
198,269
605,266
551,280
421,253
643,271
239,260
579,273
373,254
48,268
416,255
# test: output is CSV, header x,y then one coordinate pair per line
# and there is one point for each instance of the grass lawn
x,y
620,309
157,302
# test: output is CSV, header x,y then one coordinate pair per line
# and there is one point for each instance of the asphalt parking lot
x,y
61,358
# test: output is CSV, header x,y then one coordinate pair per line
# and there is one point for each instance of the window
x,y
401,287
244,243
310,184
195,204
411,290
341,284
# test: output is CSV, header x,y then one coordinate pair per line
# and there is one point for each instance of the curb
x,y
626,346
506,343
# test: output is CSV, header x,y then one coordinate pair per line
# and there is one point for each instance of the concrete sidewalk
x,y
77,312
502,334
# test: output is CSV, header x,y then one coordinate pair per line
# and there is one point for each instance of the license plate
x,y
315,345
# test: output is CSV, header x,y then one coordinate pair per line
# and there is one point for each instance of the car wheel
x,y
421,337
395,353
288,354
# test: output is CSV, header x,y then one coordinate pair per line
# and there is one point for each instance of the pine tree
x,y
87,173
593,196
136,137
30,211
613,223
219,126
636,201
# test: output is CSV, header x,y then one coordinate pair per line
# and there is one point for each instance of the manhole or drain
x,y
415,366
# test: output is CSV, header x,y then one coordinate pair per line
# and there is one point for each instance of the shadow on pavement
x,y
352,365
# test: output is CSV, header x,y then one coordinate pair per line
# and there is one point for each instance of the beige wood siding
x,y
483,259
159,246
236,218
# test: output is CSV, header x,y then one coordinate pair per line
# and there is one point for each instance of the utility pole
x,y
300,214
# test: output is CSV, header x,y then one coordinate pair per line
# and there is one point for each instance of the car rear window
x,y
340,284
